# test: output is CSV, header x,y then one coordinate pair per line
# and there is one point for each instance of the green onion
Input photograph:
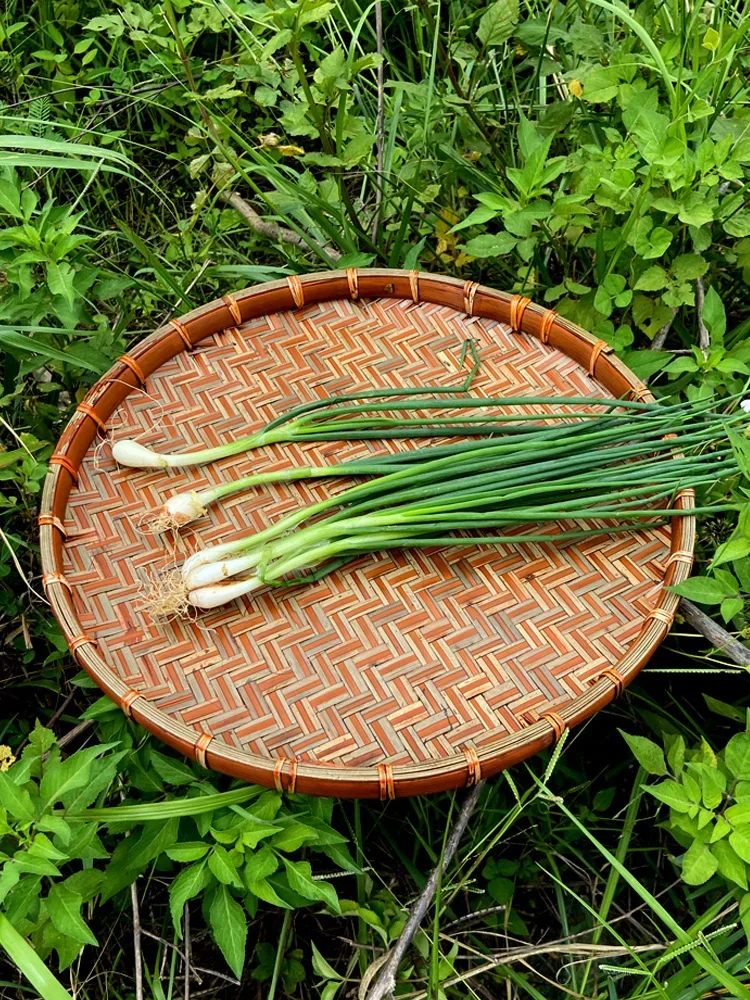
x,y
617,468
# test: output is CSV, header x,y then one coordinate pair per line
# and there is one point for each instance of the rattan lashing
x,y
190,691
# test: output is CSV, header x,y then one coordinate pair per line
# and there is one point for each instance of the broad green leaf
x,y
672,794
698,864
64,908
132,857
497,23
731,866
652,279
187,851
688,267
675,753
731,606
294,836
721,829
228,925
737,756
714,315
260,865
175,772
647,753
222,868
703,589
263,889
60,281
740,841
188,884
491,245
16,800
476,218
734,548
300,879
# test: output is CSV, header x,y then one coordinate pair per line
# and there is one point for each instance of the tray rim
x,y
384,781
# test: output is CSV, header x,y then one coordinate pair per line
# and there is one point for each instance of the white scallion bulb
x,y
137,456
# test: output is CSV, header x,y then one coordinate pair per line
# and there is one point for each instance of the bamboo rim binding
x,y
464,767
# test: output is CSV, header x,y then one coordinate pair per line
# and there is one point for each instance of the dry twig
x,y
387,967
269,229
660,339
716,635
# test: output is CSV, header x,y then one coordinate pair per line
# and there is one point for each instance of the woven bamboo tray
x,y
405,673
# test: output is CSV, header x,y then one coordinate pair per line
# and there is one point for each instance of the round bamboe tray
x,y
404,673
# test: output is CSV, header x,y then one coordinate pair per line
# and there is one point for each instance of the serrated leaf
x,y
731,866
688,267
187,851
737,756
490,245
60,281
300,880
188,884
497,23
647,753
16,800
222,868
698,864
260,865
672,794
703,589
265,891
64,908
653,279
228,925
740,841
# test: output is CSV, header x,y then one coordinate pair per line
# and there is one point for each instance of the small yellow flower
x,y
6,757
575,87
291,150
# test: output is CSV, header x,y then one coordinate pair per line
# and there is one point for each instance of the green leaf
x,y
491,245
652,280
731,606
60,281
321,966
714,315
698,864
64,908
260,865
20,342
187,851
737,756
703,589
740,841
731,866
647,753
226,920
688,267
300,880
16,800
724,708
222,868
188,884
672,794
738,224
29,963
174,772
497,23
476,218
734,548
265,891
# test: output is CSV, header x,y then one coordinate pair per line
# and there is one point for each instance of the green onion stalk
x,y
329,420
620,472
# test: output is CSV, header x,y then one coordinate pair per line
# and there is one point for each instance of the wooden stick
x,y
388,966
715,634
269,229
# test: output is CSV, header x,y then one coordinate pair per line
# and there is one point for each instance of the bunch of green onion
x,y
621,468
